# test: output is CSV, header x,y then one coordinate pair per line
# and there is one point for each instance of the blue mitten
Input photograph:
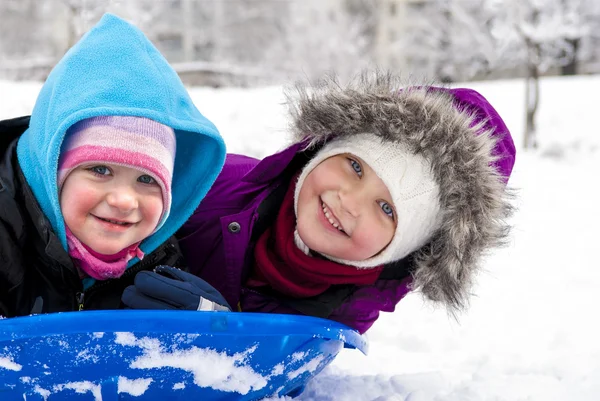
x,y
170,288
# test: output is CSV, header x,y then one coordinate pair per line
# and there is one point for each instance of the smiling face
x,y
344,210
110,207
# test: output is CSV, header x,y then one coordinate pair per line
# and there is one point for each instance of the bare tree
x,y
448,40
82,14
265,41
460,40
26,47
320,37
546,31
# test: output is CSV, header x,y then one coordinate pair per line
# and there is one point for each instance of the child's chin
x,y
107,250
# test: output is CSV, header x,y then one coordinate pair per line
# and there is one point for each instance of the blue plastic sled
x,y
165,355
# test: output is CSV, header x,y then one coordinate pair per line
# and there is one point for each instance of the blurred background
x,y
225,42
248,43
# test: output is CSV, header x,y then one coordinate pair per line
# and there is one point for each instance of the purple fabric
x,y
223,258
474,102
211,250
362,309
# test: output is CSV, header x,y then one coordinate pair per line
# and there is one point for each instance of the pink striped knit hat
x,y
135,142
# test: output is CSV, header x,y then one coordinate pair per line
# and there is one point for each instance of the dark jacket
x,y
33,263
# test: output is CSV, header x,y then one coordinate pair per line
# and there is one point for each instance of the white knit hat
x,y
411,183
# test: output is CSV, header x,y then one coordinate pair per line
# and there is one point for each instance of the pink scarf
x,y
96,265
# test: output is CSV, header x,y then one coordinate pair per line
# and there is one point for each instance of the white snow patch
x,y
8,363
125,338
135,387
307,367
42,391
85,356
298,356
210,368
277,369
98,334
179,386
81,388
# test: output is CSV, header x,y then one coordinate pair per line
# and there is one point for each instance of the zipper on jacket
x,y
80,297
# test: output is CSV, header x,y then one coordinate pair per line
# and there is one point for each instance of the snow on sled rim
x,y
189,322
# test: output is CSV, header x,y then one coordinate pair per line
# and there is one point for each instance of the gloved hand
x,y
170,288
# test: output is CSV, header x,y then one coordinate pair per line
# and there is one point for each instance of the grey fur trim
x,y
473,196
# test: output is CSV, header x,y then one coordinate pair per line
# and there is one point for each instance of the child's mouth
x,y
331,218
116,222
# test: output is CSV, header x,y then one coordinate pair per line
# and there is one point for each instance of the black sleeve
x,y
13,249
12,274
12,129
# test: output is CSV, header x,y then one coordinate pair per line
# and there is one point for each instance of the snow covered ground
x,y
530,333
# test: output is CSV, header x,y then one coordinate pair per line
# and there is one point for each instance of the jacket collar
x,y
273,165
41,224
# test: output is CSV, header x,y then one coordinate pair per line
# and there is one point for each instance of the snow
x,y
209,367
43,392
307,367
530,333
85,356
135,387
8,363
81,388
179,386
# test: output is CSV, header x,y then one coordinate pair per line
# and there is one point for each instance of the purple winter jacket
x,y
216,242
472,156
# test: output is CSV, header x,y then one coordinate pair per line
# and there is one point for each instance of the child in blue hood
x,y
113,160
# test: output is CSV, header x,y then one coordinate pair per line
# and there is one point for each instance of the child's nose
x,y
351,200
123,199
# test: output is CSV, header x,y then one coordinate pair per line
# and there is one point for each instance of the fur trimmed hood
x,y
459,132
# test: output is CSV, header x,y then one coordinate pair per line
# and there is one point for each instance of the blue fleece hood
x,y
115,70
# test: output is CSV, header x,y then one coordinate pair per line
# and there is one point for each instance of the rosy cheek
x,y
373,240
86,194
154,209
77,199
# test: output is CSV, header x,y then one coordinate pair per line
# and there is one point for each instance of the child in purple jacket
x,y
385,190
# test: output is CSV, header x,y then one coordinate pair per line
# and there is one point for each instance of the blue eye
x,y
99,170
356,167
387,208
146,179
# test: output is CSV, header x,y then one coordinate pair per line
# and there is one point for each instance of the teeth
x,y
121,223
333,223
